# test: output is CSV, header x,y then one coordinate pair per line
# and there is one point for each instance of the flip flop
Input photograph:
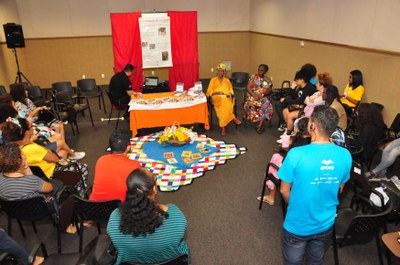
x,y
265,199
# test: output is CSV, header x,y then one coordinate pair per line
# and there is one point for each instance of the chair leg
x,y
99,229
21,228
72,127
77,128
116,125
104,104
91,117
109,116
58,239
34,227
263,192
9,227
334,246
379,248
81,236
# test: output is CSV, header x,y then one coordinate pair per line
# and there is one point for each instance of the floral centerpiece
x,y
176,135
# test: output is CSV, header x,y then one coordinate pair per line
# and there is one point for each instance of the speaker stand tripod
x,y
19,75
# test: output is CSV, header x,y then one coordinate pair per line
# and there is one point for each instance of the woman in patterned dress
x,y
258,107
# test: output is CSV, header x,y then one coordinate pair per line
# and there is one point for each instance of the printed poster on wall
x,y
155,36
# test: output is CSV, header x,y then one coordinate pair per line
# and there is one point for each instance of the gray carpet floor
x,y
225,224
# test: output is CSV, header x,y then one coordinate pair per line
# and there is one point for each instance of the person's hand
x,y
293,85
282,99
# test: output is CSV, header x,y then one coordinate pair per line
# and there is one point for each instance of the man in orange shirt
x,y
112,170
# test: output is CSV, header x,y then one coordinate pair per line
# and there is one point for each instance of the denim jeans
x,y
294,247
389,155
7,244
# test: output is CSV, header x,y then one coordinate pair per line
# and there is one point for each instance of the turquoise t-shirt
x,y
165,243
315,172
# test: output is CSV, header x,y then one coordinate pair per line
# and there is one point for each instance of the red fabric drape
x,y
184,48
126,45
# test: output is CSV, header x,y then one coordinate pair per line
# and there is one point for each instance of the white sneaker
x,y
77,156
279,141
283,134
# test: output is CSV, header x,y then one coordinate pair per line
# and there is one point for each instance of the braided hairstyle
x,y
139,214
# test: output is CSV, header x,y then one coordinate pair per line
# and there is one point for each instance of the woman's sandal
x,y
265,199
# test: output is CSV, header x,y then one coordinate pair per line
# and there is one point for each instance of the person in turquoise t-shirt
x,y
312,176
143,230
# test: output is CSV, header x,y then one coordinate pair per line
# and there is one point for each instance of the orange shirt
x,y
110,176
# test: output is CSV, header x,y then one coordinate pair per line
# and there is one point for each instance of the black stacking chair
x,y
118,105
35,94
97,211
89,89
2,90
64,101
351,228
35,209
182,259
239,82
362,190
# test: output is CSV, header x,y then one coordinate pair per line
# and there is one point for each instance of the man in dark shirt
x,y
121,87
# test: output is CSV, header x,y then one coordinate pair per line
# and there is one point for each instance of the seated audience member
x,y
20,131
311,197
16,178
6,111
389,155
371,130
301,137
221,93
311,72
353,92
301,88
315,99
113,169
121,88
9,245
257,106
52,140
331,98
143,230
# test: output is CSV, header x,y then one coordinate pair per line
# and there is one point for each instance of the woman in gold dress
x,y
221,93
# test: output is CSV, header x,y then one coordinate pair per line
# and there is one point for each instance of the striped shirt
x,y
165,243
20,188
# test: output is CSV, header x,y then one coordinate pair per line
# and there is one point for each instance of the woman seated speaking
x,y
221,92
143,230
353,92
258,107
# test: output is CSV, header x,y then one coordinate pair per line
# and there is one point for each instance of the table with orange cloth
x,y
163,109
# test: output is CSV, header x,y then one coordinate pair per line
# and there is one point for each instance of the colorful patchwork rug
x,y
177,166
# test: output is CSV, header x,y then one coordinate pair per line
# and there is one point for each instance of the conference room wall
x,y
45,61
285,56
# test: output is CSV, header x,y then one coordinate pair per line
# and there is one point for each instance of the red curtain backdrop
x,y
184,48
126,45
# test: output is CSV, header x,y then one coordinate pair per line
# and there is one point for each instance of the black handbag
x,y
99,251
46,116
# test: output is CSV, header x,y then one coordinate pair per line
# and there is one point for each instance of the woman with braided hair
x,y
143,230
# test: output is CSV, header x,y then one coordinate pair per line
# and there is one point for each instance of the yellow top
x,y
355,94
35,154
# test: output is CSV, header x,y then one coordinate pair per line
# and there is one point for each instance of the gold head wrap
x,y
221,66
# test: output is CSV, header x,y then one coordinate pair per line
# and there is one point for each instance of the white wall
x,y
361,23
65,18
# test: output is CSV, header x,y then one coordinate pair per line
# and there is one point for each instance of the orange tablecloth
x,y
166,117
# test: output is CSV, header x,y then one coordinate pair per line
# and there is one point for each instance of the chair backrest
x,y
285,84
62,86
396,124
87,85
359,180
182,259
240,78
34,92
28,209
98,211
2,90
363,228
64,97
37,171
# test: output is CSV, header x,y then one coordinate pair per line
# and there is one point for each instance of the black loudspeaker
x,y
14,35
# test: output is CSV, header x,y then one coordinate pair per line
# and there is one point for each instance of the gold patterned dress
x,y
221,93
